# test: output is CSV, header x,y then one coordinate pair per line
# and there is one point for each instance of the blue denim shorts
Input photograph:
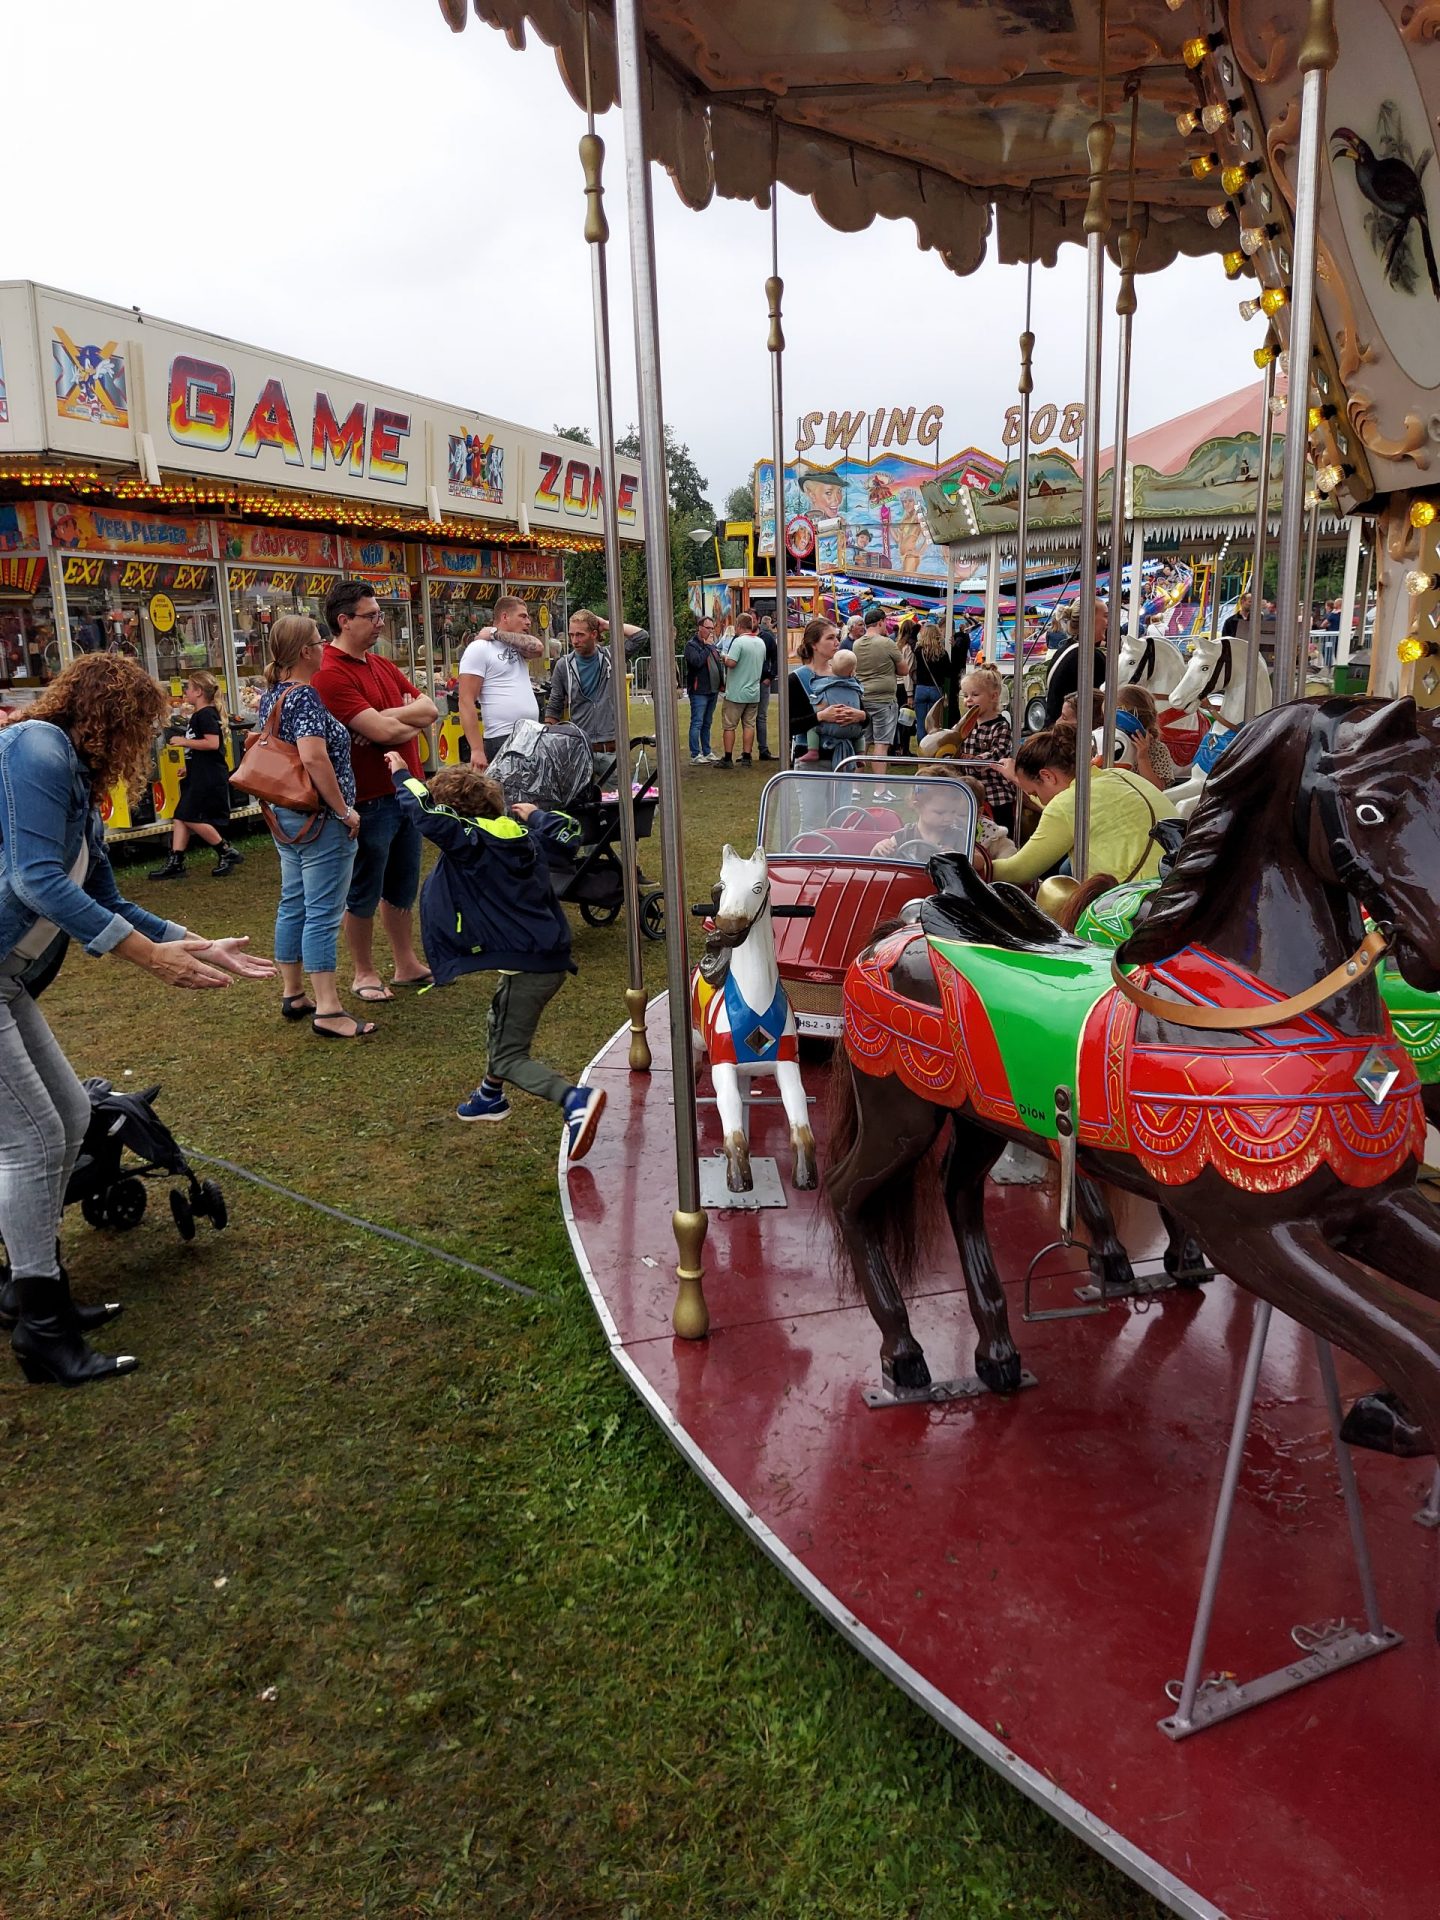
x,y
387,859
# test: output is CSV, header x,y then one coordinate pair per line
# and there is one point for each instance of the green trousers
x,y
515,1012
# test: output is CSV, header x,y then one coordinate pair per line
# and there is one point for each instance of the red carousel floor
x,y
1028,1569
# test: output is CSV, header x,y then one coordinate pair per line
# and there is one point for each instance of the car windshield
x,y
825,817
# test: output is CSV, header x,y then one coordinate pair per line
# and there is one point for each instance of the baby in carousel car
x,y
940,815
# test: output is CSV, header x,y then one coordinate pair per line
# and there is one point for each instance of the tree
x,y
740,502
582,434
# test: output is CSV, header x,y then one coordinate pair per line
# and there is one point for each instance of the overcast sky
x,y
347,181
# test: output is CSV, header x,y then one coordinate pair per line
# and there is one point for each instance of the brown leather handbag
x,y
272,772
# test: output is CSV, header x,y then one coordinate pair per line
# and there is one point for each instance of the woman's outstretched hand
x,y
229,954
172,961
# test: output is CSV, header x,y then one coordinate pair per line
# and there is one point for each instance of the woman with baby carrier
x,y
91,729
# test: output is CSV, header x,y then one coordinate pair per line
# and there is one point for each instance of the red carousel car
x,y
854,847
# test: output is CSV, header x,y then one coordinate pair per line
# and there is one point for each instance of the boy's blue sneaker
x,y
583,1108
483,1106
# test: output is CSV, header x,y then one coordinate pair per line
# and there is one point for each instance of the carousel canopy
x,y
969,120
1167,448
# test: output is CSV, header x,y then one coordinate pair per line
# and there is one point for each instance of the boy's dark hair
x,y
467,791
343,598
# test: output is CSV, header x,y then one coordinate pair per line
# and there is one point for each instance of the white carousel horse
x,y
743,1020
1213,684
1151,661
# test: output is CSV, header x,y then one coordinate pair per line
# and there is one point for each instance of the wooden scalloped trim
x,y
1414,446
1279,49
1354,352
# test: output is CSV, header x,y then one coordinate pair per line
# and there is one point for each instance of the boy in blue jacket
x,y
488,906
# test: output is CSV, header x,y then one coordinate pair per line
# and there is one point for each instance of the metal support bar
x,y
1324,1649
992,600
1022,511
1317,56
1307,597
1262,528
691,1319
774,288
1348,585
1099,142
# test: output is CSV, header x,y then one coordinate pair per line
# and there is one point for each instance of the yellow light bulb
x,y
1233,178
1422,513
1203,164
1410,650
1234,264
1272,300
1313,419
1263,356
1192,52
1187,123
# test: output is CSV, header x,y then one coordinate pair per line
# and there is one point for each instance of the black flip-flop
x,y
420,980
295,1006
361,1027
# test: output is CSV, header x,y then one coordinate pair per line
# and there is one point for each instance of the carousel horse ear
x,y
1389,725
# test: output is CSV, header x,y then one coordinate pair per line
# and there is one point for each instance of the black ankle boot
x,y
50,1350
229,858
83,1319
173,869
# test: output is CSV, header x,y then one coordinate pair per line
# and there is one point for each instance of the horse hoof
x,y
805,1177
1381,1423
1000,1376
739,1180
1187,1265
1112,1273
906,1372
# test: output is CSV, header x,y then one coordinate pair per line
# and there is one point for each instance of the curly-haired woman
x,y
91,728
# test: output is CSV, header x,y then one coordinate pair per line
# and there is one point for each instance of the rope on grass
x,y
365,1226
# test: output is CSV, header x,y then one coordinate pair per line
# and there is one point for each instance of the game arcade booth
x,y
169,494
1163,1554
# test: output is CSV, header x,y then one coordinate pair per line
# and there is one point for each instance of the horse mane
x,y
1245,783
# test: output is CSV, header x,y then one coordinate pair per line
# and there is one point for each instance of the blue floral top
x,y
306,717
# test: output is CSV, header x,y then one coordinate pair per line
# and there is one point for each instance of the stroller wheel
x,y
92,1207
125,1204
183,1213
595,914
652,915
213,1203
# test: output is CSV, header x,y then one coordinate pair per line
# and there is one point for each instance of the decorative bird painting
x,y
1389,178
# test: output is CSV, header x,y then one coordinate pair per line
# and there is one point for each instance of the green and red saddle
x,y
1264,1110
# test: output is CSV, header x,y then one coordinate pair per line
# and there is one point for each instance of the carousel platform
x,y
1028,1569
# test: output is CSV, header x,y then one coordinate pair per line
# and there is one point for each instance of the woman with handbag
x,y
92,727
315,838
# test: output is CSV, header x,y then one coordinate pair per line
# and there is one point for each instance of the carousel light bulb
x,y
1313,419
1422,513
1252,239
1204,164
1328,477
1249,309
1410,650
1187,123
1272,300
1279,402
1284,363
1417,583
1217,216
1312,499
1263,356
1174,5
1192,52
1233,263
1213,117
1233,179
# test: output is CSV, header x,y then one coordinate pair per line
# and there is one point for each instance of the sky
x,y
348,182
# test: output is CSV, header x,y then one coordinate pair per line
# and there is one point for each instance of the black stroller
x,y
111,1190
554,767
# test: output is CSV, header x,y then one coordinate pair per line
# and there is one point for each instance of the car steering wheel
x,y
819,843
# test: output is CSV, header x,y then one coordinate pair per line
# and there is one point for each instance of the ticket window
x,y
29,646
173,632
255,608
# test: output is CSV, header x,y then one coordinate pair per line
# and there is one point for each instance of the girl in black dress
x,y
204,805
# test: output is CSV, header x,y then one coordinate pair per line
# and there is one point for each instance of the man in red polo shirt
x,y
385,713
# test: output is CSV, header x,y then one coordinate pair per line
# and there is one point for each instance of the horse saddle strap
x,y
1272,1013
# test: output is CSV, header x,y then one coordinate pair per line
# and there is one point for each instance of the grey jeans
x,y
515,1012
44,1112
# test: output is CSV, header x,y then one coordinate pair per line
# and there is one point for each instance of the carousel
x,y
1070,1336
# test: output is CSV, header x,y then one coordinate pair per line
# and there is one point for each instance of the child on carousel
x,y
840,688
488,907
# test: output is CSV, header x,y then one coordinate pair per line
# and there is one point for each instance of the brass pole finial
x,y
1027,348
1321,45
691,1319
774,287
1099,145
636,1001
592,159
1127,247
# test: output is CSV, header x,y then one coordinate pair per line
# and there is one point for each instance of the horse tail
x,y
904,1210
1068,913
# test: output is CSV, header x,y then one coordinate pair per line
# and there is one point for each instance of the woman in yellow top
x,y
1123,808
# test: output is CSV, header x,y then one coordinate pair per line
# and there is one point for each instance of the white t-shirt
x,y
507,692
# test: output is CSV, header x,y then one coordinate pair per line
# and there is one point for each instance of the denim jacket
x,y
45,811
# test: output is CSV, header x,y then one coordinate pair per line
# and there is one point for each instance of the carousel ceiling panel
x,y
966,117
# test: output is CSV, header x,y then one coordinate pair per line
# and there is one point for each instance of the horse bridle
x,y
1221,672
1147,664
1316,803
715,961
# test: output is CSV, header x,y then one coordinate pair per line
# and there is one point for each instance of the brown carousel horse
x,y
1244,1075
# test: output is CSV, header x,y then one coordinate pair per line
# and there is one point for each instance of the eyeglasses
x,y
370,617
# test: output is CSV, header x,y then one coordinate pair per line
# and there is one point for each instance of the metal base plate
x,y
1222,1699
716,1197
1150,1278
968,1387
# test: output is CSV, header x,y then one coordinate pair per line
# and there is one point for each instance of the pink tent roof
x,y
1167,447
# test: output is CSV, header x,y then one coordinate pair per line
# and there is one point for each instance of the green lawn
x,y
375,1592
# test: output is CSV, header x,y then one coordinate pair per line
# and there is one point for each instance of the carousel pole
x,y
1128,246
1347,589
1099,144
691,1317
992,600
1363,604
1262,531
1022,508
1318,53
1137,575
774,288
597,234
1302,637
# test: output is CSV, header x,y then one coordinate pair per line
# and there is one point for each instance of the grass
x,y
375,1592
